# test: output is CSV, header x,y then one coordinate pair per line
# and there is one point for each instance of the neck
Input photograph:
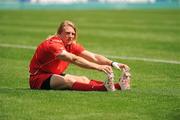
x,y
58,35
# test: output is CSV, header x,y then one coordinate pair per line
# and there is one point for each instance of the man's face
x,y
68,35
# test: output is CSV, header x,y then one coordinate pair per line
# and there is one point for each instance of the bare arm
x,y
96,58
101,60
66,56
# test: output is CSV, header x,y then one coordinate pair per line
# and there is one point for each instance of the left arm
x,y
101,60
96,58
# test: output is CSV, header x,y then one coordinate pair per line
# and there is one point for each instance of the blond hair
x,y
67,23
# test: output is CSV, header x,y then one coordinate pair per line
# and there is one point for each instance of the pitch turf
x,y
155,93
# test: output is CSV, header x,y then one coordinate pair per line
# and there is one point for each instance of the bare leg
x,y
66,82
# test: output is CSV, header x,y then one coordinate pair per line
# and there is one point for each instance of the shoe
x,y
124,81
109,85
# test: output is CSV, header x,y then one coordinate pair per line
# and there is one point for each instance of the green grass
x,y
155,93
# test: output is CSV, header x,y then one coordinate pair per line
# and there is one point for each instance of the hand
x,y
125,69
105,68
121,66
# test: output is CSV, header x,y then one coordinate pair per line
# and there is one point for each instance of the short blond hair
x,y
67,23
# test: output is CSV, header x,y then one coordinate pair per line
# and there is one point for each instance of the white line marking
x,y
145,59
116,57
17,46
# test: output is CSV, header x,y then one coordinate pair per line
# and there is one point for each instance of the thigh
x,y
66,82
82,79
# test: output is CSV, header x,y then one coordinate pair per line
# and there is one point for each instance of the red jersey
x,y
45,62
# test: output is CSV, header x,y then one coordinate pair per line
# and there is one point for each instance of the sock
x,y
87,87
117,86
96,82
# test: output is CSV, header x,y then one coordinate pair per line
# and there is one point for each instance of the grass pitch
x,y
155,93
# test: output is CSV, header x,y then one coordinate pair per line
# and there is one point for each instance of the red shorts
x,y
36,81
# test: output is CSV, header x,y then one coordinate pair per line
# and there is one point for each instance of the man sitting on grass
x,y
53,56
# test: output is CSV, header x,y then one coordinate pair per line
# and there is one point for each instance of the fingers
x,y
126,70
124,67
127,74
106,69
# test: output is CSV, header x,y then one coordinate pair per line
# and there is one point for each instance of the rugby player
x,y
53,55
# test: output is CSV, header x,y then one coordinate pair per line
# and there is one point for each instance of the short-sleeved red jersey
x,y
45,62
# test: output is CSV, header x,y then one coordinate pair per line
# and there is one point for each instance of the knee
x,y
60,82
69,81
84,78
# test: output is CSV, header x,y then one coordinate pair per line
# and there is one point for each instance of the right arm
x,y
66,56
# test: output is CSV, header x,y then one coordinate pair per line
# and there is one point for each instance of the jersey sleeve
x,y
55,48
77,49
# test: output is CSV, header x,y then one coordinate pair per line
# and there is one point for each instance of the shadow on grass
x,y
40,90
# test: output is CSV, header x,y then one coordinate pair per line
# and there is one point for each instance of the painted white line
x,y
145,59
17,46
116,57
